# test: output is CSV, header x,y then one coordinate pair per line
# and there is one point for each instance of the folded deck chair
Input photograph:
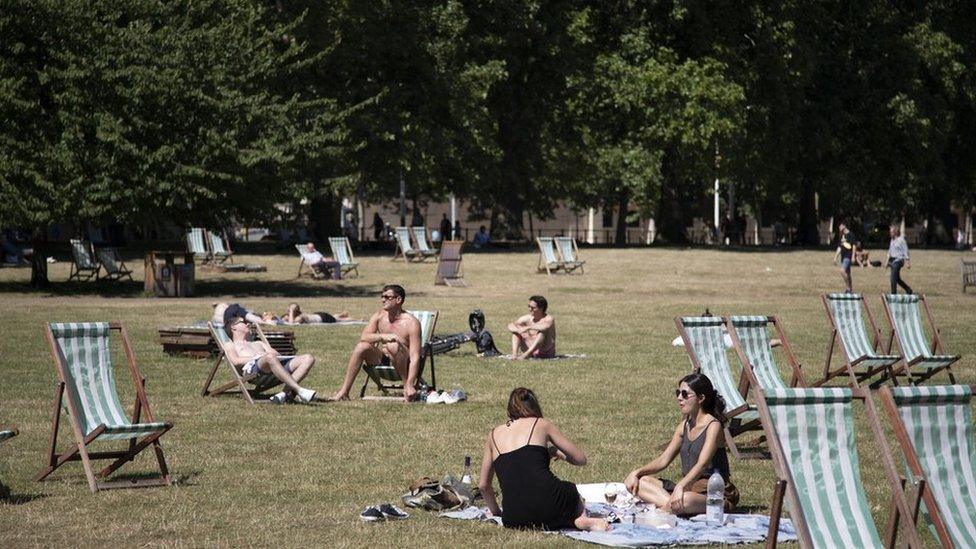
x,y
750,337
220,247
905,317
548,261
115,268
703,341
83,264
424,247
386,377
86,388
261,382
569,253
404,247
860,350
342,252
197,245
810,432
934,427
449,265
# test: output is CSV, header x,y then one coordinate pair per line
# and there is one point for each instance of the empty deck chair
x,y
220,247
449,265
905,317
261,382
83,264
342,252
750,337
86,388
860,350
934,427
424,247
569,252
386,377
196,244
703,341
548,261
810,432
115,268
403,246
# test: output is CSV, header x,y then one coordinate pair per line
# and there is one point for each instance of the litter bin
x,y
165,277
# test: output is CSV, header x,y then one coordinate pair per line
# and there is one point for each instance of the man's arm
x,y
544,324
371,331
520,324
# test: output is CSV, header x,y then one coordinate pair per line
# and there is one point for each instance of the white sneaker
x,y
305,395
435,398
278,398
448,398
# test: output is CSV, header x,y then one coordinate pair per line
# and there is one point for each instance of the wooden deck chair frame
x,y
739,421
115,268
80,268
544,263
386,386
570,254
78,451
785,489
945,360
262,382
203,255
749,376
404,247
886,363
935,512
449,265
342,249
223,256
304,266
419,235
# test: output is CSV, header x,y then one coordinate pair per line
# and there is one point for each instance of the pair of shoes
x,y
386,511
279,398
305,395
441,397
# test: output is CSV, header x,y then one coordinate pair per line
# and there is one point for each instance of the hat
x,y
234,311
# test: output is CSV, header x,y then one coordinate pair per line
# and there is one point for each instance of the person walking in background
x,y
377,227
457,231
898,258
445,228
846,246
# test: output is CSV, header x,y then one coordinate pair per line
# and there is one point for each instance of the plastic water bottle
x,y
466,473
715,498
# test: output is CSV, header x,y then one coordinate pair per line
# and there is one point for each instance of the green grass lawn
x,y
291,475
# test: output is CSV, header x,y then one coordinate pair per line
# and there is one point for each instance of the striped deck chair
x,y
934,427
905,317
548,261
704,343
569,252
750,338
403,246
197,245
86,388
386,377
220,247
306,265
860,351
342,252
115,268
424,247
83,264
810,432
261,382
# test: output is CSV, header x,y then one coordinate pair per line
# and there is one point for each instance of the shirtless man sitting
x,y
392,336
258,357
534,335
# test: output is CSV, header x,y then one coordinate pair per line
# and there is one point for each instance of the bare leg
x,y
650,490
518,344
301,365
271,364
694,504
362,352
583,522
400,359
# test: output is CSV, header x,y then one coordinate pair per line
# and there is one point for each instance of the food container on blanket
x,y
655,519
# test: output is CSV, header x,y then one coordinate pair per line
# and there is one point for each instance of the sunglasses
x,y
385,297
683,394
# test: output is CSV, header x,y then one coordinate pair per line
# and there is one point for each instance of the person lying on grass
x,y
258,357
534,334
698,440
519,452
294,315
391,337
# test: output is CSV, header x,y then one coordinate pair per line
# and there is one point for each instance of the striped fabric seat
x,y
115,268
83,264
342,252
705,336
847,310
548,261
217,247
196,244
906,321
404,247
567,250
88,360
420,236
220,336
815,428
754,336
939,426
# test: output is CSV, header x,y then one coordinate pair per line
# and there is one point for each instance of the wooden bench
x,y
197,342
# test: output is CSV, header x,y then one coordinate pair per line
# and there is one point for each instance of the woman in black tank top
x,y
699,442
533,496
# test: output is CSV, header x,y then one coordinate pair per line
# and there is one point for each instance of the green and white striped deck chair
x,y
83,264
197,245
860,350
905,316
811,437
87,390
934,427
342,252
115,268
302,250
424,247
569,253
403,246
386,377
750,337
220,247
261,382
704,343
548,261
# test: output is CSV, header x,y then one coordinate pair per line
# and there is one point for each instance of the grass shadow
x,y
7,498
206,288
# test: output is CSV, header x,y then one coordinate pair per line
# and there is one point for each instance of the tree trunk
x,y
38,278
671,224
323,216
807,233
623,200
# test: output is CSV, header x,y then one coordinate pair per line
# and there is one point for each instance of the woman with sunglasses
x,y
698,440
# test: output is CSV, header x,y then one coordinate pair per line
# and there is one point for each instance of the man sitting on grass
x,y
391,337
534,335
258,357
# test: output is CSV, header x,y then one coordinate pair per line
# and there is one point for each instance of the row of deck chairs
x,y
208,247
88,262
341,252
559,254
419,249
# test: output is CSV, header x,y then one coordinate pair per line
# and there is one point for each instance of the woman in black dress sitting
x,y
519,451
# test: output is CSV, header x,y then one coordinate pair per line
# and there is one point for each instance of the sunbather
x,y
698,440
534,334
519,452
294,315
220,310
321,264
